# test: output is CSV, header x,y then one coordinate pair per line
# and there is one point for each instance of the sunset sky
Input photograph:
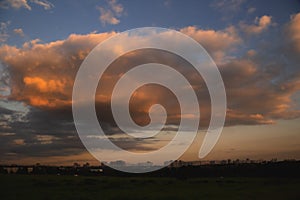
x,y
255,44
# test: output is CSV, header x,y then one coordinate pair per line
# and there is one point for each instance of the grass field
x,y
80,187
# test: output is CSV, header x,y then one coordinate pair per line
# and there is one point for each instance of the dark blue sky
x,y
82,17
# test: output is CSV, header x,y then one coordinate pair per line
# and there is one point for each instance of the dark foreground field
x,y
80,187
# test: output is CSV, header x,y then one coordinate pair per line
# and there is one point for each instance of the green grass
x,y
73,188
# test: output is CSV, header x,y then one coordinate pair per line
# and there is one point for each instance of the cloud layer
x,y
42,75
260,83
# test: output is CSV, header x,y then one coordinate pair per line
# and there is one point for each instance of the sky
x,y
255,45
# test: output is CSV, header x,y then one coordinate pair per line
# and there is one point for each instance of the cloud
x,y
17,4
47,79
251,10
19,32
116,7
261,24
107,17
3,31
228,7
19,141
260,83
253,97
37,133
293,32
46,139
217,43
44,3
44,85
167,3
110,14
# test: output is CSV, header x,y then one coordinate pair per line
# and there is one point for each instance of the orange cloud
x,y
42,75
47,102
261,24
19,141
236,117
293,29
217,43
45,86
110,15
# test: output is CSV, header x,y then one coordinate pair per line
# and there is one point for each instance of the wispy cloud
x,y
167,3
44,3
17,4
4,81
251,10
228,7
116,7
3,31
19,32
111,13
